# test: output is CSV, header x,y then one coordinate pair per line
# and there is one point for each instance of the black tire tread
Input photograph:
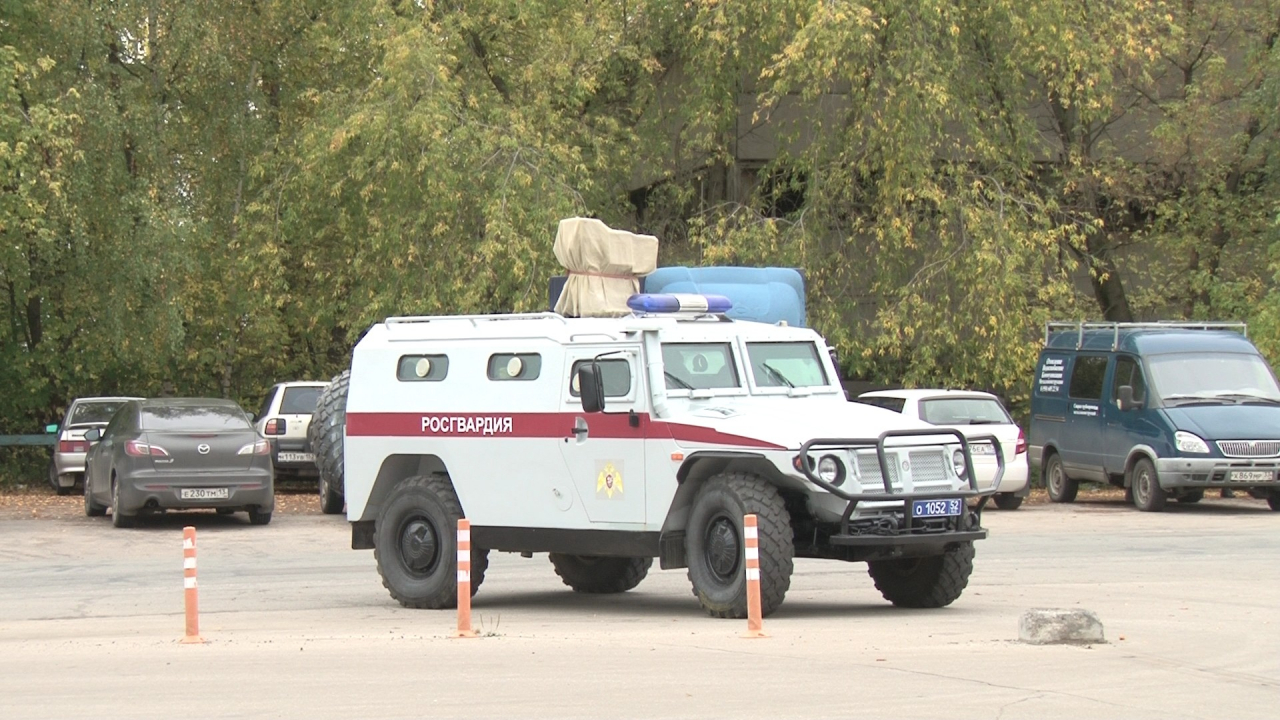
x,y
448,597
604,576
1008,501
1070,488
776,543
940,579
325,435
1159,497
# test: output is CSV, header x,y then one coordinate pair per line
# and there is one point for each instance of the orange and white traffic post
x,y
751,534
189,586
464,580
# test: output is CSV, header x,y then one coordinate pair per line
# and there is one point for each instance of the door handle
x,y
580,428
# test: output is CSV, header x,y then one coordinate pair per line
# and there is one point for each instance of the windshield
x,y
699,366
786,364
964,411
94,413
1212,376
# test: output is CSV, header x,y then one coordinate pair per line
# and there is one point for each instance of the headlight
x,y
957,462
1189,442
831,470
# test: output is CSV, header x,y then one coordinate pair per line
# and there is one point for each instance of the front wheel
x,y
1062,489
416,544
331,499
600,575
1148,496
926,582
1191,497
1273,500
715,549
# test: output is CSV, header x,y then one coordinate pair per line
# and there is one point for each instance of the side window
x,y
888,403
1129,372
266,403
119,421
515,366
1086,377
616,373
422,368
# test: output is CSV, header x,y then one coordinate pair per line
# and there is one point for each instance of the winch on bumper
x,y
902,523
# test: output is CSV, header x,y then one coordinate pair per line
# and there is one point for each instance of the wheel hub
x,y
723,549
419,545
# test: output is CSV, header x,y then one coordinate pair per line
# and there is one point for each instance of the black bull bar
x,y
968,525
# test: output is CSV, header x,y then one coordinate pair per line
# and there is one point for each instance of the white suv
x,y
608,442
972,413
283,419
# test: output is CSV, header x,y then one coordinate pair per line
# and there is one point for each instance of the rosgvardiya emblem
x,y
609,481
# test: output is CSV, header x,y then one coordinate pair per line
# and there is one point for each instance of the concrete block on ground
x,y
1052,626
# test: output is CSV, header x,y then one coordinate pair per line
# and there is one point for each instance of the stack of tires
x,y
325,434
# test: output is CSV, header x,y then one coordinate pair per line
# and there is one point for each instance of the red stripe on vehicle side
x,y
536,425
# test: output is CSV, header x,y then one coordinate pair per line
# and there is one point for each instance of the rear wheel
x,y
714,544
926,582
325,434
1273,500
1148,496
1061,488
259,517
119,519
53,481
600,575
1008,501
416,544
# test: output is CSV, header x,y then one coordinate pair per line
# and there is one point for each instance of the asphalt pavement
x,y
298,626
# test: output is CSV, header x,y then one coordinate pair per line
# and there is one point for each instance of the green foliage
x,y
220,194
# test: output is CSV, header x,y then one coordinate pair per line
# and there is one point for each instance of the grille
x,y
869,470
1249,448
927,468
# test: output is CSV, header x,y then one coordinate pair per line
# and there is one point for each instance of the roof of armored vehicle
x,y
1151,341
566,330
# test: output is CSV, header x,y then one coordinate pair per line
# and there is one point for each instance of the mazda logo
x,y
202,449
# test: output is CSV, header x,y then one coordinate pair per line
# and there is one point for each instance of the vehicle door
x,y
98,462
1082,450
605,451
1131,426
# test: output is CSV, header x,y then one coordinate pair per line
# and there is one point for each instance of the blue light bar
x,y
679,303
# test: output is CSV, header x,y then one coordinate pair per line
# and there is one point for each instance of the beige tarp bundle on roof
x,y
604,266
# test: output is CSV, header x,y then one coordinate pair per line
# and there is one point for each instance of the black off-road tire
x,y
1191,497
714,544
119,519
1008,501
259,517
1148,496
325,435
927,582
598,575
1062,489
91,508
416,544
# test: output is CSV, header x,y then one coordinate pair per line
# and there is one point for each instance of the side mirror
x,y
591,386
51,428
1124,399
93,435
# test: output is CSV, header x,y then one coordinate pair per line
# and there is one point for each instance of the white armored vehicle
x,y
610,441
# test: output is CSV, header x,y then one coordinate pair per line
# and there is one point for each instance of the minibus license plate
x,y
1252,476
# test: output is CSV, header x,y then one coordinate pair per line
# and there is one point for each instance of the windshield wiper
x,y
776,374
1248,398
677,380
1181,399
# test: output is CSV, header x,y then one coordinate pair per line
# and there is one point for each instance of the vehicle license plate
x,y
204,493
936,508
1251,476
982,449
296,457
